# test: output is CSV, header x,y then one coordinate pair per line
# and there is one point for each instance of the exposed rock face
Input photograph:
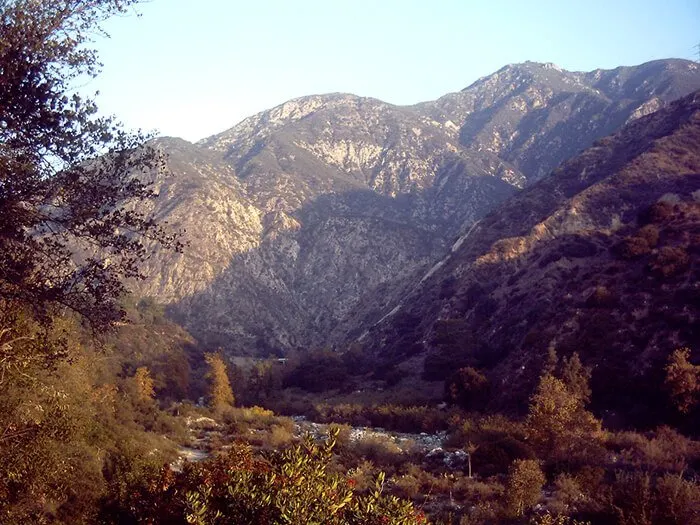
x,y
301,215
600,258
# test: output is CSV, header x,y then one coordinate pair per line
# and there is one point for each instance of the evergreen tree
x,y
65,173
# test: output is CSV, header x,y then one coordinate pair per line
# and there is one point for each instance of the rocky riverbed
x,y
206,431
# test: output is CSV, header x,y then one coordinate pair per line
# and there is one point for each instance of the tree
x,y
466,387
682,380
144,384
220,393
557,416
69,236
524,486
66,237
577,377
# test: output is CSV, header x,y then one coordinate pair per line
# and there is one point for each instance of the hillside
x,y
301,216
599,258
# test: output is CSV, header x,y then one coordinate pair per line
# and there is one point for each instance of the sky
x,y
193,68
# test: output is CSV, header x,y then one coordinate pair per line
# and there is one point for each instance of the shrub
x,y
407,486
677,501
682,380
466,387
318,372
650,233
567,493
378,449
632,498
293,486
657,213
633,247
280,436
549,519
523,487
670,260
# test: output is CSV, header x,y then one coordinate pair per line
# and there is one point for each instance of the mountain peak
x,y
328,203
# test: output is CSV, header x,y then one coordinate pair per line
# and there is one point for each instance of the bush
x,y
523,487
677,501
670,260
632,498
378,449
318,372
466,387
293,486
657,213
633,247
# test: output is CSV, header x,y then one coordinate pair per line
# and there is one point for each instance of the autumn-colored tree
x,y
524,486
556,415
220,393
682,380
144,384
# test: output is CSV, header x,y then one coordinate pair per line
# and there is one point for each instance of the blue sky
x,y
194,68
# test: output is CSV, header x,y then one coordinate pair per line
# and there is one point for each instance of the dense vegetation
x,y
101,396
557,464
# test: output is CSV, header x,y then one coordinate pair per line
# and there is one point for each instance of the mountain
x,y
599,258
301,216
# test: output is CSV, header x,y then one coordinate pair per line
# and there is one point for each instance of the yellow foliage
x,y
683,380
556,414
220,393
144,384
524,486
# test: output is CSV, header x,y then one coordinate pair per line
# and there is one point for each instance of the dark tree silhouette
x,y
69,233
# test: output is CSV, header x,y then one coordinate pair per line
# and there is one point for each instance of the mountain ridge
x,y
598,258
272,203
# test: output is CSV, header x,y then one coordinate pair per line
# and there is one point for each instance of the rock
x,y
305,224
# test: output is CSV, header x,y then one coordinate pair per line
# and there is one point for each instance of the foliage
x,y
220,393
318,372
670,260
576,377
465,387
69,236
395,417
60,425
291,486
294,486
65,237
524,486
557,416
144,384
549,519
682,380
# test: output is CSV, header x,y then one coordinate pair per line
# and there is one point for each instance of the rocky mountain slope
x,y
302,214
600,258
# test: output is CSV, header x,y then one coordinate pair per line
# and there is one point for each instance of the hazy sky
x,y
192,68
